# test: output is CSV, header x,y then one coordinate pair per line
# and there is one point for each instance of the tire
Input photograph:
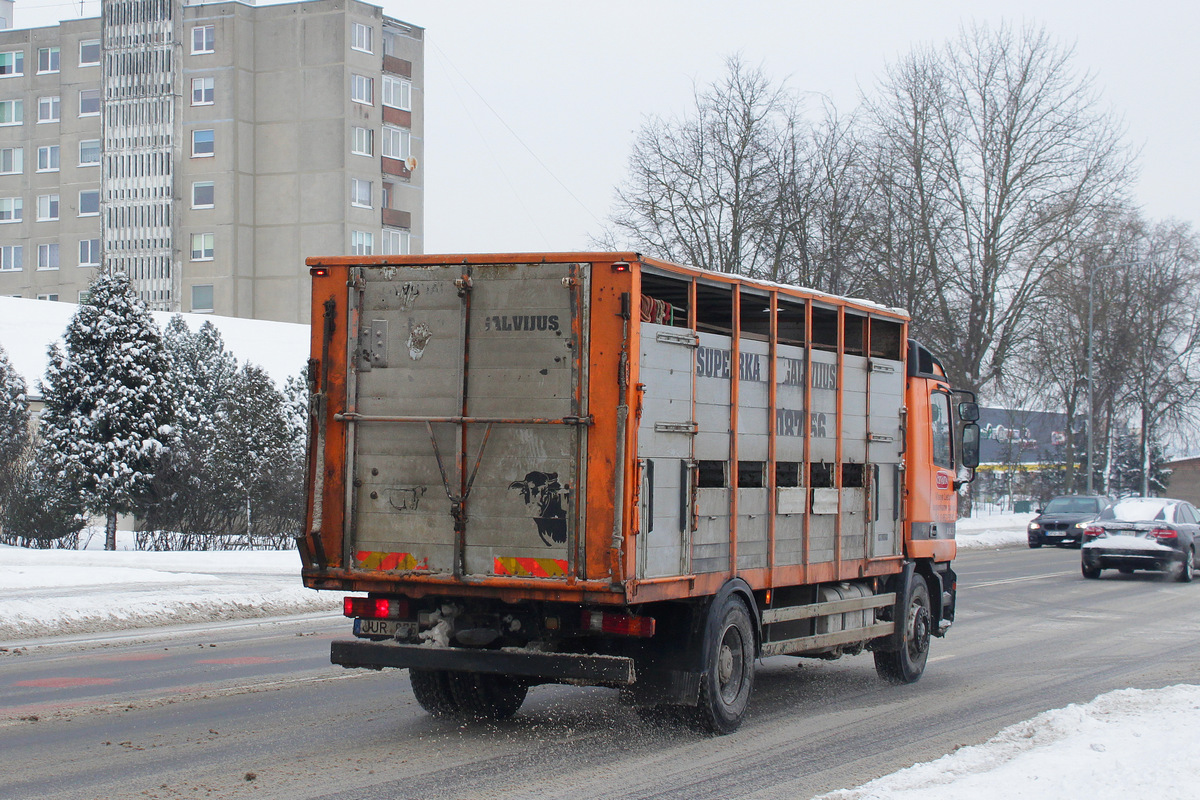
x,y
432,690
1186,569
1034,545
728,678
1090,573
486,697
907,664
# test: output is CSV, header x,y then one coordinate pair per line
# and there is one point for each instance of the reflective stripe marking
x,y
372,559
531,567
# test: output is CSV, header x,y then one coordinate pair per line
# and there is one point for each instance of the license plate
x,y
393,628
1055,535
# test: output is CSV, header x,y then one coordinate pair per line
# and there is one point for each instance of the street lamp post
x,y
1090,407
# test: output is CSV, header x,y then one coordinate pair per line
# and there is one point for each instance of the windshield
x,y
1073,505
1138,509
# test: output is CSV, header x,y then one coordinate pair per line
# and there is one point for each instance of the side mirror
x,y
1038,511
970,443
968,411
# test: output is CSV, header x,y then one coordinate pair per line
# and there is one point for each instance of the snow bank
x,y
993,531
1124,743
57,592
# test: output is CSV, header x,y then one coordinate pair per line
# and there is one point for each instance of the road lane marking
x,y
14,715
1022,579
65,683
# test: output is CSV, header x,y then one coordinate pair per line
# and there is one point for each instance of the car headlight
x,y
1034,526
1081,525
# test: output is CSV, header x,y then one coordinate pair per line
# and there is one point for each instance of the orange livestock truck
x,y
605,469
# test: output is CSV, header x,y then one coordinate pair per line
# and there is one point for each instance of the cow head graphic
x,y
545,495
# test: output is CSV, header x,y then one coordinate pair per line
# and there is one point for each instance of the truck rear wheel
x,y
432,690
483,696
906,664
729,672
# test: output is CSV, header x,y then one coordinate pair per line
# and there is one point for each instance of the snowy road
x,y
181,720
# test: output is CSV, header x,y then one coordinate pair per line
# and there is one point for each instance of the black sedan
x,y
1143,533
1063,520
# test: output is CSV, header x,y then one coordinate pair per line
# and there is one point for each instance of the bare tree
x,y
1163,381
700,189
993,160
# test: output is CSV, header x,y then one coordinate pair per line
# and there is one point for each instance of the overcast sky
x,y
531,107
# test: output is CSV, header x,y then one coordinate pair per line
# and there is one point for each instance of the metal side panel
x,y
665,439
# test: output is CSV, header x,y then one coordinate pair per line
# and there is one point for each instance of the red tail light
x,y
1164,533
618,624
374,608
1092,532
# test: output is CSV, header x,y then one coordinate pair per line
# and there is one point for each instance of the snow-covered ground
x,y
1124,742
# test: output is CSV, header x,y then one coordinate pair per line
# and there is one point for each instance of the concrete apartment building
x,y
207,148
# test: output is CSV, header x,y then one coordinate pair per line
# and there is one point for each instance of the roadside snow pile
x,y
57,592
1130,738
992,531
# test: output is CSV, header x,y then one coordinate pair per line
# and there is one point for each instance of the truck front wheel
x,y
906,664
729,672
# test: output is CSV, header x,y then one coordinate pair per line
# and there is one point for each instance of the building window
x,y
202,298
11,258
89,203
204,39
202,194
89,102
362,243
89,252
397,143
48,256
203,144
12,63
12,160
11,209
51,297
362,89
395,242
89,153
48,59
361,38
48,158
89,53
202,246
48,109
389,42
397,93
364,144
47,207
12,112
360,193
202,91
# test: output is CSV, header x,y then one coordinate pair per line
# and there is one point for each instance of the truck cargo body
x,y
603,468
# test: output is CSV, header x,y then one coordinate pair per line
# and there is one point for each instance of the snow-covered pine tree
x,y
108,407
14,424
193,489
256,453
40,509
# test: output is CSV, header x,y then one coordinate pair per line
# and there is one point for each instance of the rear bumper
x,y
585,670
1130,559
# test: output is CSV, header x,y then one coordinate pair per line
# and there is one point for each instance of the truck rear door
x,y
466,404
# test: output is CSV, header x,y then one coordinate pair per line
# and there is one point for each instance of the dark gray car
x,y
1064,519
1143,533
